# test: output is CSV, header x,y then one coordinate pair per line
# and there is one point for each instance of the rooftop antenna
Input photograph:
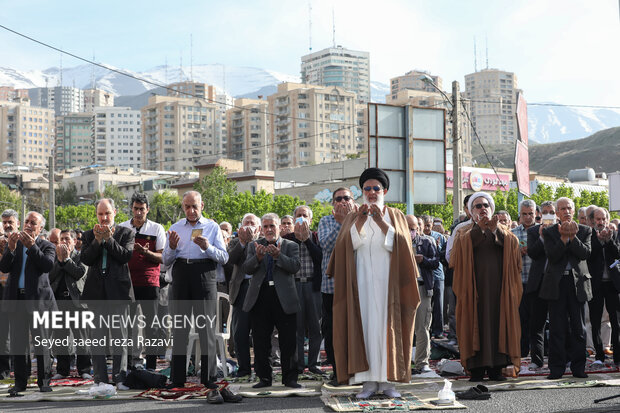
x,y
333,27
166,70
60,77
475,56
180,66
92,75
486,39
224,78
310,25
191,57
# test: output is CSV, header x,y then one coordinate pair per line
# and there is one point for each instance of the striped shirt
x,y
521,233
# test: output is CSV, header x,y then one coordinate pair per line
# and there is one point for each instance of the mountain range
x,y
547,122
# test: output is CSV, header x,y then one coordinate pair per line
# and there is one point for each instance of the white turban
x,y
470,204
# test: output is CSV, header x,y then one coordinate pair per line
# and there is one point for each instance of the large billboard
x,y
522,159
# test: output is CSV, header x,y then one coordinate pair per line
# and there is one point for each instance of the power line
x,y
155,83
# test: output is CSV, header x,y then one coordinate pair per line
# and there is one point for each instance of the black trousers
x,y
266,314
5,365
607,296
148,299
20,348
537,322
63,364
241,331
119,353
564,313
327,328
194,290
524,316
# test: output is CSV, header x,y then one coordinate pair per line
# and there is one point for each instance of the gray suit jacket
x,y
559,255
284,270
237,255
73,272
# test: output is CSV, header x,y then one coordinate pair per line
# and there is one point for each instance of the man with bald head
x,y
107,250
28,260
487,263
195,247
54,236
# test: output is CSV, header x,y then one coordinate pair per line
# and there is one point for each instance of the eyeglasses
x,y
346,198
480,206
375,188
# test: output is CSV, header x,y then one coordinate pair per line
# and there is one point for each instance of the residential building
x,y
312,124
224,102
248,133
337,66
94,98
434,99
177,132
9,93
412,80
192,90
62,99
26,134
493,96
118,137
75,140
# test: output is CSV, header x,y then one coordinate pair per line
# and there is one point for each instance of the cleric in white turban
x,y
487,284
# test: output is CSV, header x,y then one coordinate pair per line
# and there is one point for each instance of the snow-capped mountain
x,y
547,124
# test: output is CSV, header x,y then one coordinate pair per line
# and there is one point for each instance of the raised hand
x,y
173,239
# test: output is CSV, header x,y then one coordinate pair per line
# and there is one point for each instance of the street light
x,y
457,159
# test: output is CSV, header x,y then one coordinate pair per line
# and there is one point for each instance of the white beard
x,y
380,202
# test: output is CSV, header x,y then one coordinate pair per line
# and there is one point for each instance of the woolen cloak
x,y
403,299
464,287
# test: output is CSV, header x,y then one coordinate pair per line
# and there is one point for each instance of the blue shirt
x,y
186,248
441,245
328,232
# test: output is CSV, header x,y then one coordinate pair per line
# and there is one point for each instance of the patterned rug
x,y
407,402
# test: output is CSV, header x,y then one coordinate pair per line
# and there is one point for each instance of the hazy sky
x,y
564,51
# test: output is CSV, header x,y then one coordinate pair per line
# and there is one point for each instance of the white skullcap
x,y
470,204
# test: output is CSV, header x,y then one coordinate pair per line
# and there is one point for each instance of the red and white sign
x,y
522,168
522,118
482,181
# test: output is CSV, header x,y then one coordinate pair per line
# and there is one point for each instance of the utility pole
x,y
457,156
52,197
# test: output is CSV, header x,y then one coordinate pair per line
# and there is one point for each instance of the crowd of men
x,y
490,285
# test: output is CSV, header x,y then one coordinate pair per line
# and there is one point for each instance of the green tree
x,y
81,217
165,208
9,199
112,192
66,195
214,188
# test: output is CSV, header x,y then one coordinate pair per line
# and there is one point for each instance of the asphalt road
x,y
523,401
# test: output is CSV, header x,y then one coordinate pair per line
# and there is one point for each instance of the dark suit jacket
x,y
430,261
284,270
596,262
72,271
116,283
40,261
536,251
316,255
237,254
559,255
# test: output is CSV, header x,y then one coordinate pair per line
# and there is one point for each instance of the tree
x,y
9,199
112,192
165,208
81,217
66,195
214,188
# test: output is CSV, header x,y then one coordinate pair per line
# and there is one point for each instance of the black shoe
x,y
229,396
554,376
262,383
580,375
293,385
497,378
14,391
175,386
474,379
333,383
315,370
214,397
45,389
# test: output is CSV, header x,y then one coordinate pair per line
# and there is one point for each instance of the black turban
x,y
375,173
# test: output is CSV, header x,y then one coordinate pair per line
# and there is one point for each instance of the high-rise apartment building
x,y
94,98
313,124
248,133
337,66
224,102
177,132
26,134
192,90
493,96
62,99
412,80
75,140
118,137
434,99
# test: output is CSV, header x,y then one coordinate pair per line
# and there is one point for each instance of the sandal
x,y
479,392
